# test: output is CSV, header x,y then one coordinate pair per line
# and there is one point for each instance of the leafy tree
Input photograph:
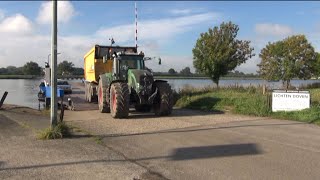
x,y
218,51
290,58
31,68
78,71
65,68
186,71
13,70
172,71
3,71
316,66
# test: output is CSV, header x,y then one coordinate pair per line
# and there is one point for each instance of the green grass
x,y
247,101
58,132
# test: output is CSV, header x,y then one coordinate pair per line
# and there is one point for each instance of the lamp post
x,y
54,47
50,55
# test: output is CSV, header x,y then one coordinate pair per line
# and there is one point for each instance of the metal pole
x,y
50,55
54,104
136,22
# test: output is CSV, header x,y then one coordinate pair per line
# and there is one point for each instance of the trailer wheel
x,y
163,101
89,96
103,97
86,91
119,100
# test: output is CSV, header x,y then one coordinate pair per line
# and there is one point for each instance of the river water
x,y
24,91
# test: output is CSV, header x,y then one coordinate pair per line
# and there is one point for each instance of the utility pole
x,y
54,108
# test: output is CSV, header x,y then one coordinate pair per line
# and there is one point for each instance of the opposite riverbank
x,y
19,77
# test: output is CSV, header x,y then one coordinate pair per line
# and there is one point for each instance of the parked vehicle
x,y
65,86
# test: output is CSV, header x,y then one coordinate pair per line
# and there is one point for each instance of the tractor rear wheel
x,y
103,97
119,100
163,101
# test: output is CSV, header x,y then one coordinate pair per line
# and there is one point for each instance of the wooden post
x,y
3,98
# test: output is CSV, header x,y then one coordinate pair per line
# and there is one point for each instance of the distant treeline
x,y
185,72
33,68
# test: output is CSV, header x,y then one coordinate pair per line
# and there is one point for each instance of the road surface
x,y
186,145
199,145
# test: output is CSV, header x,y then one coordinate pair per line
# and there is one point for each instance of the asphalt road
x,y
197,145
186,145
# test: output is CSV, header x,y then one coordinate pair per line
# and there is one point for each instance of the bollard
x,y
3,98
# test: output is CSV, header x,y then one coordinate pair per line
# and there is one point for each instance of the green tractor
x,y
130,83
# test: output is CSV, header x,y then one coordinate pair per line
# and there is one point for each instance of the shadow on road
x,y
185,153
1,164
175,113
202,152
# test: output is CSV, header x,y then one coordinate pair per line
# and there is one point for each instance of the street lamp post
x,y
50,55
54,47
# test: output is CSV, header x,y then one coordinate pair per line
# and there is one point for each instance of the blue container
x,y
60,92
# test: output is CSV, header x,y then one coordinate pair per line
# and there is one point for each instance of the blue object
x,y
60,92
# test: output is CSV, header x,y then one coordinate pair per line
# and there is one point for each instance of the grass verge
x,y
60,131
244,100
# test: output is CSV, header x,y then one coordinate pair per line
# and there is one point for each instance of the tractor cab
x,y
131,61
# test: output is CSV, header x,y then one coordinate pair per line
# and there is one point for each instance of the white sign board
x,y
290,101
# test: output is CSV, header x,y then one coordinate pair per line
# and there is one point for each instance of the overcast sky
x,y
166,29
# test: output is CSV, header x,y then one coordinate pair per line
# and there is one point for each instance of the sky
x,y
166,29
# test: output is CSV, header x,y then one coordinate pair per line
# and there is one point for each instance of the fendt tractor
x,y
117,78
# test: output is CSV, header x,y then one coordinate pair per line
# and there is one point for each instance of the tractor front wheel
x,y
119,100
163,101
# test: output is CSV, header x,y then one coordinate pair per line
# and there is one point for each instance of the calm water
x,y
24,91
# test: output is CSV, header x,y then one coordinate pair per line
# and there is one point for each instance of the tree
x,y
290,58
13,70
316,66
218,51
32,68
65,68
78,71
186,71
172,71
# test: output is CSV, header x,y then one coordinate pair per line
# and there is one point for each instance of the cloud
x,y
156,29
17,24
66,12
34,46
273,29
180,11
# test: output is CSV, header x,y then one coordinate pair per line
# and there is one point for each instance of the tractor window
x,y
133,62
